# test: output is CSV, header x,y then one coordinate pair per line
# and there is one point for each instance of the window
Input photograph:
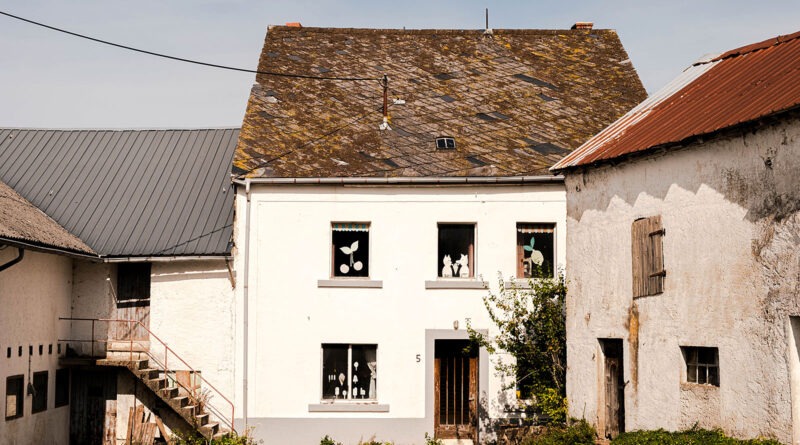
x,y
535,250
14,398
456,251
648,256
349,372
62,387
350,249
133,281
445,143
39,392
702,365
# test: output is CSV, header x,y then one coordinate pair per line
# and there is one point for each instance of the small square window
x,y
445,143
62,387
702,365
349,372
350,249
133,281
456,251
14,398
39,392
535,250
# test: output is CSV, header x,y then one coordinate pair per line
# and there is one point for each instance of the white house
x,y
683,305
155,208
378,198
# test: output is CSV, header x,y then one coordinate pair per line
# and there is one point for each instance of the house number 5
x,y
419,359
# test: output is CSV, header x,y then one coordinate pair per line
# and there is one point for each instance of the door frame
x,y
611,352
463,365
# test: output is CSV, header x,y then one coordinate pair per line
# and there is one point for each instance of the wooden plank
x,y
164,434
436,396
473,397
110,423
129,434
637,259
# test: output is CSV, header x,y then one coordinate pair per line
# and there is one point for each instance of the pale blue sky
x,y
49,79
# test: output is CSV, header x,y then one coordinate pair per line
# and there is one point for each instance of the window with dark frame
x,y
14,396
456,251
445,143
349,372
350,249
62,387
647,254
702,364
39,403
535,250
133,281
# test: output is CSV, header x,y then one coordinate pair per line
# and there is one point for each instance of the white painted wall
x,y
290,316
731,255
33,294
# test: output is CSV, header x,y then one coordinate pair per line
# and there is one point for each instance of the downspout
x,y
246,287
20,255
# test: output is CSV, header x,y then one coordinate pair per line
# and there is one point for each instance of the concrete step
x,y
202,419
213,430
148,373
170,393
126,346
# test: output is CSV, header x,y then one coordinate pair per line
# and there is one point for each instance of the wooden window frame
x,y
40,382
471,250
365,227
349,376
695,368
20,394
520,252
647,256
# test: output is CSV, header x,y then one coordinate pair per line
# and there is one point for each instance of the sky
x,y
52,80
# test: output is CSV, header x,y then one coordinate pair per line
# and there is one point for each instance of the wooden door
x,y
133,302
613,387
455,390
93,407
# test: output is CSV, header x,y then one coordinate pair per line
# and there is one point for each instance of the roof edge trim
x,y
164,259
48,249
441,180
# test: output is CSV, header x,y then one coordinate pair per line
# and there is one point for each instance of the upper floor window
x,y
349,372
535,250
647,253
456,251
350,249
133,281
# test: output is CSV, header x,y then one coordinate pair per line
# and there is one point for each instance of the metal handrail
x,y
195,373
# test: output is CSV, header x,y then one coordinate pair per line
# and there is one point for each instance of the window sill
x,y
456,283
351,282
348,407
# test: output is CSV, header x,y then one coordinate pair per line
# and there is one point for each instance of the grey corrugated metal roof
x,y
128,192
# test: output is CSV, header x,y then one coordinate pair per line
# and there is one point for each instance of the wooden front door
x,y
613,387
133,302
455,390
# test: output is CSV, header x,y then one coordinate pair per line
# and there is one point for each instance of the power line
x,y
181,59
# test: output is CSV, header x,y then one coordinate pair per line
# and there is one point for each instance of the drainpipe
x,y
20,255
245,316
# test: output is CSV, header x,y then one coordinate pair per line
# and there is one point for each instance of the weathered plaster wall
x,y
33,294
290,316
92,297
729,208
192,311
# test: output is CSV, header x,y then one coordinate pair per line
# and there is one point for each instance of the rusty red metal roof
x,y
739,86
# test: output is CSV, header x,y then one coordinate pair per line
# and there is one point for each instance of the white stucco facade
x,y
295,306
33,293
729,208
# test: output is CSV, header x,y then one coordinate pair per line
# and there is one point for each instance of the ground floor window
x,y
349,372
62,387
702,364
14,386
39,391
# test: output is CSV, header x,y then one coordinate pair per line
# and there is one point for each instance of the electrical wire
x,y
181,59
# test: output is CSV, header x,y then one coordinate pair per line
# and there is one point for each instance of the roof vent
x,y
294,24
445,143
583,25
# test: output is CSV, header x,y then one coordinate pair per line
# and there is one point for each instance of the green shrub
x,y
431,441
328,441
553,405
228,439
579,433
693,436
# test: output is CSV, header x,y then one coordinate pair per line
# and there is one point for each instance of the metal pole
x,y
130,338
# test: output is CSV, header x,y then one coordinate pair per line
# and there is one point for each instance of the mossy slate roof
x,y
516,101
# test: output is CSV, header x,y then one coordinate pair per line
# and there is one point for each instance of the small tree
x,y
532,328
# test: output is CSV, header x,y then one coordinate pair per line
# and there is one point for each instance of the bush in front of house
x,y
327,440
579,432
692,436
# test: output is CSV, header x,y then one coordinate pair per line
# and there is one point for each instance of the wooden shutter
x,y
647,256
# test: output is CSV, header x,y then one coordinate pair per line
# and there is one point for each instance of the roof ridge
x,y
753,47
119,129
429,30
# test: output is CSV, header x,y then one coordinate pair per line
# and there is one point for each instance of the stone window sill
x,y
456,283
351,282
348,407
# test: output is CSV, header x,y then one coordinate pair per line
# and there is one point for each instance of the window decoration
x,y
39,391
350,249
14,398
647,253
702,365
456,250
535,250
349,372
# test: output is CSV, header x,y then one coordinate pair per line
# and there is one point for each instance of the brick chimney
x,y
583,25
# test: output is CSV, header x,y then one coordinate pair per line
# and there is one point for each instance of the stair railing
x,y
163,363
